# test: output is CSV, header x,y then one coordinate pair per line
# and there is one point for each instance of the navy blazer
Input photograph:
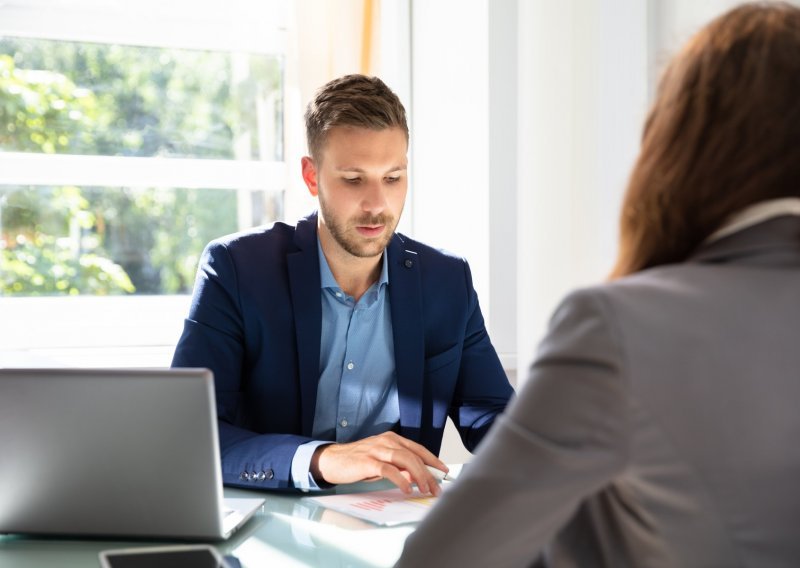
x,y
256,319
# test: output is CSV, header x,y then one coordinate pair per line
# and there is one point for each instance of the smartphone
x,y
183,556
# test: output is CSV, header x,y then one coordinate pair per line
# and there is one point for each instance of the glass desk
x,y
289,531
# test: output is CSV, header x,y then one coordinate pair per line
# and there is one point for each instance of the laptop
x,y
113,453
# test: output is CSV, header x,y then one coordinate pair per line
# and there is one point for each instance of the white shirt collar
x,y
757,213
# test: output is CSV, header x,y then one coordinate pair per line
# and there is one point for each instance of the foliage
x,y
94,99
41,110
49,265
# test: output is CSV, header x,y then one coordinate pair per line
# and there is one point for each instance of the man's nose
x,y
374,200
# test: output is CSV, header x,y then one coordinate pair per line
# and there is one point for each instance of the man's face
x,y
361,181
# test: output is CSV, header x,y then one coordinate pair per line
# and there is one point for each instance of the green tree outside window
x,y
93,99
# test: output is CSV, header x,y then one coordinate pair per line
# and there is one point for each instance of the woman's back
x,y
710,354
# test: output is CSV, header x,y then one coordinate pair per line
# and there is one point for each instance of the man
x,y
338,346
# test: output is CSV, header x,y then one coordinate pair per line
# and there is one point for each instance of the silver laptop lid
x,y
111,452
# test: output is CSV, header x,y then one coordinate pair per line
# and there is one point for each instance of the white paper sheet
x,y
389,508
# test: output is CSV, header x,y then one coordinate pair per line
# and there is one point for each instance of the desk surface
x,y
290,531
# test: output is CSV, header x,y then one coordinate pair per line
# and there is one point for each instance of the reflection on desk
x,y
290,531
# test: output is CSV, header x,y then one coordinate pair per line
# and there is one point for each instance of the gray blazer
x,y
659,426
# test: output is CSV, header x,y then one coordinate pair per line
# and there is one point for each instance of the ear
x,y
310,175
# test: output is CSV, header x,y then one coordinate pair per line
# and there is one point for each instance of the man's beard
x,y
351,242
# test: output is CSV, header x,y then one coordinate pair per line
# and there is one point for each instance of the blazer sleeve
x,y
482,390
563,438
213,337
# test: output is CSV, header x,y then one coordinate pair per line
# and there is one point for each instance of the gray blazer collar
x,y
774,242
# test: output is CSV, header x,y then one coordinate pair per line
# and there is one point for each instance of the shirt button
x,y
350,366
343,423
339,294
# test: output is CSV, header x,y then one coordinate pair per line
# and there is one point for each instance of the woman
x,y
660,423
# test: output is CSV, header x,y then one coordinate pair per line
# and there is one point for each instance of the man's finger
x,y
412,465
394,475
424,453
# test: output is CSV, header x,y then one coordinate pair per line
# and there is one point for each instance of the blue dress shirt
x,y
357,391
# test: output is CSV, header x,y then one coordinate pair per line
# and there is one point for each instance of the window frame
x,y
134,330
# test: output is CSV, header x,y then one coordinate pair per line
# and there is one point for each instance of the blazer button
x,y
262,476
244,476
408,263
269,473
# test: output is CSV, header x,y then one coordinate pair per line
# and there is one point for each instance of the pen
x,y
439,474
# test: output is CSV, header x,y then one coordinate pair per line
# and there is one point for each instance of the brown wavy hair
x,y
723,133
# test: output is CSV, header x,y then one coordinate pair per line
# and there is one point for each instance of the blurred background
x,y
132,133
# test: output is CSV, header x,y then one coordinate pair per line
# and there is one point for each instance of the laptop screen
x,y
130,452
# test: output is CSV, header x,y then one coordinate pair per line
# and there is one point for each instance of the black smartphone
x,y
188,556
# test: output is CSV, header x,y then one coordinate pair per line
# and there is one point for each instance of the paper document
x,y
389,508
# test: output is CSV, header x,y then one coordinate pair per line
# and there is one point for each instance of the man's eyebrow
x,y
358,170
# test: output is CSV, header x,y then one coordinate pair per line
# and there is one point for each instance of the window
x,y
92,99
131,134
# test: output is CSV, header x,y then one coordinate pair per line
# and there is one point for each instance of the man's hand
x,y
386,455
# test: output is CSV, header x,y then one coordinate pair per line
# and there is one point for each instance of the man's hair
x,y
723,133
352,100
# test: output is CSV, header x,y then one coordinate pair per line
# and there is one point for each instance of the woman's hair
x,y
723,133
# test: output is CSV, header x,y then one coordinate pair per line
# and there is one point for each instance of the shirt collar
x,y
326,276
757,213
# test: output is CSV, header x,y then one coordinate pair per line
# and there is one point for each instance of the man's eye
x,y
392,179
352,180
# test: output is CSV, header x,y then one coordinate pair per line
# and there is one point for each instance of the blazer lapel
x,y
304,284
405,296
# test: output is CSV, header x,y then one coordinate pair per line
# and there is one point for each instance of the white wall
x,y
450,129
582,99
503,181
463,154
